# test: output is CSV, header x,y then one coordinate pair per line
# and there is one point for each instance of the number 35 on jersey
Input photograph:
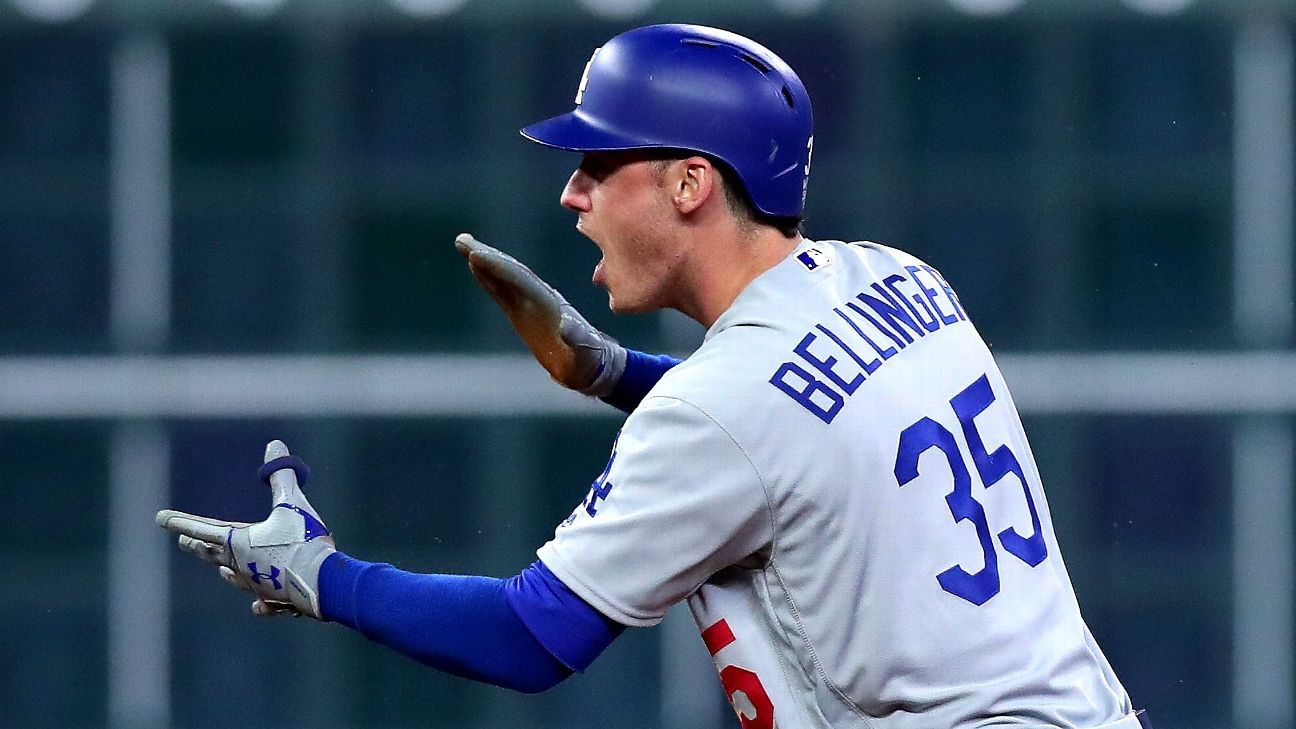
x,y
979,586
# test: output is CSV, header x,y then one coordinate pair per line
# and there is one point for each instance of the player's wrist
x,y
303,576
337,582
612,366
640,373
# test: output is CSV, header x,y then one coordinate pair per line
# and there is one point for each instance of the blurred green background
x,y
204,203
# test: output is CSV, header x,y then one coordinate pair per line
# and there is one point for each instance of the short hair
x,y
741,205
736,197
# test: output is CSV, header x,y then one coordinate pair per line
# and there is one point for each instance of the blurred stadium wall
x,y
227,221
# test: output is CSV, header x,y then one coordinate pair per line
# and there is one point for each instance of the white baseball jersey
x,y
838,483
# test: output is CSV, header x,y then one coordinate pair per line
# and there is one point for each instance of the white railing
x,y
437,385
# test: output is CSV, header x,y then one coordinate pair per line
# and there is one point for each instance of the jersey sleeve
x,y
678,501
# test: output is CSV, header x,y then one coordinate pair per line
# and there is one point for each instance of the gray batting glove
x,y
278,560
578,356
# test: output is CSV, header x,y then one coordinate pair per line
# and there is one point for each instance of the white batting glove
x,y
576,355
278,559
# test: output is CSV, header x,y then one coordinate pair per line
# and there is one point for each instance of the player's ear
x,y
693,183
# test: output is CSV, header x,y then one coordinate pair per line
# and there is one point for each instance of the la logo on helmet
x,y
805,176
580,90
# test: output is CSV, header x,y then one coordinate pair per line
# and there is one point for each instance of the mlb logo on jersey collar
x,y
813,258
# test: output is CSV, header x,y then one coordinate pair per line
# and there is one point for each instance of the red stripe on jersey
x,y
717,637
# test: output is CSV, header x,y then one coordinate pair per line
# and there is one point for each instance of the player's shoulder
x,y
789,307
843,261
770,315
882,251
684,413
722,379
701,372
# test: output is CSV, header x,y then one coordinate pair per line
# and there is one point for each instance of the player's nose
x,y
575,195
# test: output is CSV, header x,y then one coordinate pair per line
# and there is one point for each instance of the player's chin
x,y
624,304
615,305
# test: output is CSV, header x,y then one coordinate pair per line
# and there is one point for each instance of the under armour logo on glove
x,y
272,575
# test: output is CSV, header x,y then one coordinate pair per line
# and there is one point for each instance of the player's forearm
x,y
458,624
642,371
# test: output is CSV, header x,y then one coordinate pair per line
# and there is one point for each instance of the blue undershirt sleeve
x,y
642,371
570,628
469,626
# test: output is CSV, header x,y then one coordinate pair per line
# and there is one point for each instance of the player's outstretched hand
x,y
278,559
578,356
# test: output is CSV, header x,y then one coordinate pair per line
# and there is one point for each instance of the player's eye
x,y
596,166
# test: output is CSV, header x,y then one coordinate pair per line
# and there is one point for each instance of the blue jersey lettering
x,y
892,313
829,401
825,366
929,322
930,294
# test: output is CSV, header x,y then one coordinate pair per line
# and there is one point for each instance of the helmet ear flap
x,y
702,90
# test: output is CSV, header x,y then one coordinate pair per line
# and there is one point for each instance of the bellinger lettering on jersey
x,y
819,379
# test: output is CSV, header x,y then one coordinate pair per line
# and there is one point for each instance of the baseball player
x,y
836,481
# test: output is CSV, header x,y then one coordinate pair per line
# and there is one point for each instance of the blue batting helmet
x,y
698,89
